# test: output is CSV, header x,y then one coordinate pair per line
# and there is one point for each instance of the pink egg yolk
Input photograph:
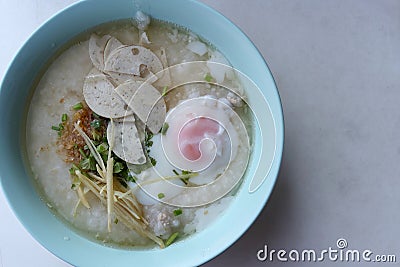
x,y
193,133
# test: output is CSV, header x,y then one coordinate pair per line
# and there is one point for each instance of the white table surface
x,y
337,67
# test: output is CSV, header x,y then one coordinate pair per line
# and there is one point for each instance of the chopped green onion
x,y
60,126
171,239
102,148
116,220
104,156
64,117
208,77
73,169
118,167
185,180
95,124
126,175
58,129
131,178
177,212
164,129
92,163
185,176
83,154
160,195
88,163
186,172
77,106
153,161
84,164
164,91
147,141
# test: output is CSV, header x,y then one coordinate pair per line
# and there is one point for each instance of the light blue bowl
x,y
14,100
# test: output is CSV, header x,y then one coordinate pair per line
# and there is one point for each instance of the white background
x,y
337,67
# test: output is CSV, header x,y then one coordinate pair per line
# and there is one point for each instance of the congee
x,y
138,133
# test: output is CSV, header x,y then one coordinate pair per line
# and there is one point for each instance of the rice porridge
x,y
124,148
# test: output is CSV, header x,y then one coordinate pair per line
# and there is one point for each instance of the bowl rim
x,y
222,243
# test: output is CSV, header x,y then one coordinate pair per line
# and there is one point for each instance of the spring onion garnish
x,y
102,148
160,195
186,172
95,124
58,128
147,140
153,161
116,220
131,178
88,163
83,154
164,129
183,179
185,176
171,239
64,117
177,212
164,91
73,169
118,167
77,106
208,77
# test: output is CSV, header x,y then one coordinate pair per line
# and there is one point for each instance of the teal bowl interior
x,y
16,89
